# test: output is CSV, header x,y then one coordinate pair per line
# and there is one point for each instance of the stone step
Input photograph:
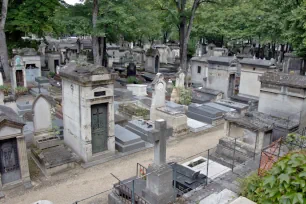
x,y
219,159
229,152
240,146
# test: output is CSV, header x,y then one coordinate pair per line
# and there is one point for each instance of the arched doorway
x,y
156,64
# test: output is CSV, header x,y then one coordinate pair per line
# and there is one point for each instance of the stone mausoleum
x,y
14,169
88,110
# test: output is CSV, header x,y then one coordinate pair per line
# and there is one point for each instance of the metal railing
x,y
141,171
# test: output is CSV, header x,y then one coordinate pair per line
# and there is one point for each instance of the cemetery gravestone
x,y
158,95
131,70
159,189
180,79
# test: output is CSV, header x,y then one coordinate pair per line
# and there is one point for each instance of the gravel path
x,y
79,183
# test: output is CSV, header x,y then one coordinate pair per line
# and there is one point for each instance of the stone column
x,y
23,161
111,130
24,77
14,80
260,141
227,128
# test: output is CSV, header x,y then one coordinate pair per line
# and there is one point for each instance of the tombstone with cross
x,y
159,189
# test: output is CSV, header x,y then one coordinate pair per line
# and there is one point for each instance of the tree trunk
x,y
104,59
183,51
96,41
3,45
184,30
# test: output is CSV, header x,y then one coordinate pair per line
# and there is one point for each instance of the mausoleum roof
x,y
8,114
222,60
208,91
284,79
83,72
258,63
199,59
258,121
152,52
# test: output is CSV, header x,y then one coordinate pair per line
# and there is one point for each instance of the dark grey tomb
x,y
127,140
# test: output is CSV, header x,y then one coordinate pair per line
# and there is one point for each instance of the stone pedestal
x,y
159,185
137,89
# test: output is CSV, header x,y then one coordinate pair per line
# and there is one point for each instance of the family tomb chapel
x,y
152,63
26,67
221,74
88,109
14,169
251,69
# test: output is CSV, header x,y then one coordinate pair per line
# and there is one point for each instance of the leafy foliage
x,y
20,90
185,96
284,183
133,80
5,89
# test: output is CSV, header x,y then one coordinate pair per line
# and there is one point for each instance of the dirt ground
x,y
77,184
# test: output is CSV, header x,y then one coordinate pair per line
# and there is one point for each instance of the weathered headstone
x,y
159,189
131,70
180,79
159,93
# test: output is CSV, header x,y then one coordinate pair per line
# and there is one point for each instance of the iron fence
x,y
227,155
279,148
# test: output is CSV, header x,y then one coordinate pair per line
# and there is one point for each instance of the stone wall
x,y
195,76
249,83
280,105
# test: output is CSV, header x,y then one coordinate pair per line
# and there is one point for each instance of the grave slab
x,y
224,197
197,126
141,128
220,107
35,91
214,169
205,114
127,140
23,107
240,107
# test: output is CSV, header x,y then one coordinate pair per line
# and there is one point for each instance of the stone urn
x,y
175,96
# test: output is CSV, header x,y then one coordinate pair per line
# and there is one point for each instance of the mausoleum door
x,y
19,77
156,64
231,85
99,127
9,161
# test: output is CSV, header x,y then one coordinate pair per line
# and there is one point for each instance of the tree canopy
x,y
275,22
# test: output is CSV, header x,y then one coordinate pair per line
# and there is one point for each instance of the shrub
x,y
5,89
19,90
133,80
185,96
51,74
284,183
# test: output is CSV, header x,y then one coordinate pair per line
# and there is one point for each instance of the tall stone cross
x,y
159,137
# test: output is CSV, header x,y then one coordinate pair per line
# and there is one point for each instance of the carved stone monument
x,y
180,79
159,189
88,110
174,116
158,95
